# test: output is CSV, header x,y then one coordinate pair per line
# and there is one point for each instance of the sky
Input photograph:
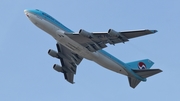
x,y
26,72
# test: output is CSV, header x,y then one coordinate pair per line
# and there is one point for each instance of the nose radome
x,y
25,11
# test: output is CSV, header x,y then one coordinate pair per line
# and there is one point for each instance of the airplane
x,y
72,47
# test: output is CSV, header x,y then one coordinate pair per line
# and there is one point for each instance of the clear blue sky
x,y
26,72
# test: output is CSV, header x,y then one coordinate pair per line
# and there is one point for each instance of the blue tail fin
x,y
141,64
141,68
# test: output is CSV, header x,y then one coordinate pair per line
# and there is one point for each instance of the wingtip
x,y
161,70
153,31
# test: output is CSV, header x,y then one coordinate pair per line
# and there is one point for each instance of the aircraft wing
x,y
69,62
97,40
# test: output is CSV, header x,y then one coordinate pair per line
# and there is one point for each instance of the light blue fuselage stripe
x,y
61,26
122,64
50,19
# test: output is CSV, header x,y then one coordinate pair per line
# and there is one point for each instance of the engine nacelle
x,y
112,32
53,53
117,34
58,68
85,33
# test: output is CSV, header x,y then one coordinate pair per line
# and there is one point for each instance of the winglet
x,y
153,31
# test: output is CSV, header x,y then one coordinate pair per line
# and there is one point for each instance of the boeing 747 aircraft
x,y
73,47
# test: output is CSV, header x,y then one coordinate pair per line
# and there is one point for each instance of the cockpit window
x,y
37,9
48,16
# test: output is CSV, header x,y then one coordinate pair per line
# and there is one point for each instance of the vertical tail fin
x,y
140,64
141,68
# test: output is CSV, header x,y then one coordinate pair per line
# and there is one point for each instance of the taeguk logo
x,y
141,65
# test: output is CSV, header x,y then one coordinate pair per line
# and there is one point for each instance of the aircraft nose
x,y
25,11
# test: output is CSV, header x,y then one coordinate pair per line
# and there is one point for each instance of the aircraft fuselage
x,y
59,35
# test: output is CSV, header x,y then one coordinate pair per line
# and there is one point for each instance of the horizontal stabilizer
x,y
144,73
133,82
147,72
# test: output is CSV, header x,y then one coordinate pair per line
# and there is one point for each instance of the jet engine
x,y
117,34
53,53
58,68
113,33
85,33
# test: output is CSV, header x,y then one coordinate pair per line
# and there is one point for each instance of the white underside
x,y
75,47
